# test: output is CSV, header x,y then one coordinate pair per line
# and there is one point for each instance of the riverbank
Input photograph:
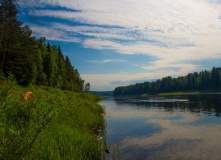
x,y
178,93
58,125
190,92
183,92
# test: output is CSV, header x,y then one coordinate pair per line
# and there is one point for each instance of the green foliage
x,y
59,125
31,60
87,87
17,46
204,80
55,71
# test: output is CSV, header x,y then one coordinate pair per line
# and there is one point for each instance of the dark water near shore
x,y
164,127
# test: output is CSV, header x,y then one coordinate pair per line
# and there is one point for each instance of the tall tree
x,y
18,48
61,74
215,78
10,27
80,82
50,68
31,60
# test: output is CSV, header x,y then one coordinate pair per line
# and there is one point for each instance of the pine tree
x,y
18,48
69,74
61,74
41,76
80,82
10,27
30,60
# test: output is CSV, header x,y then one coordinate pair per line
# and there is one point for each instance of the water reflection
x,y
206,103
164,127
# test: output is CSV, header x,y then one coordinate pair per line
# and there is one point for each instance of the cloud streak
x,y
52,34
107,61
172,32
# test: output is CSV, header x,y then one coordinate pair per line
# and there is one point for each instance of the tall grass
x,y
59,125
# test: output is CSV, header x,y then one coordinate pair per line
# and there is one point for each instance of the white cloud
x,y
52,34
172,32
107,61
178,15
162,23
105,81
98,32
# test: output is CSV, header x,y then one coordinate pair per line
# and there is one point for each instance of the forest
x,y
31,60
57,120
205,80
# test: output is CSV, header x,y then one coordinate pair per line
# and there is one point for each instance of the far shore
x,y
184,93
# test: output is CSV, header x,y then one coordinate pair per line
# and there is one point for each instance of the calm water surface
x,y
164,127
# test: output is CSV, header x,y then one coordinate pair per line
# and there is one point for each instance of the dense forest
x,y
31,60
205,80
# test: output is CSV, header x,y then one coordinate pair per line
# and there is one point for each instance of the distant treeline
x,y
204,80
102,93
32,61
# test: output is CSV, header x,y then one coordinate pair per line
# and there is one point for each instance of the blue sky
x,y
120,42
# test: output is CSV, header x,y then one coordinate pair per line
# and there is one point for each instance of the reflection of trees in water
x,y
202,103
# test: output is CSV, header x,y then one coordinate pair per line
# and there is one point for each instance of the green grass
x,y
59,125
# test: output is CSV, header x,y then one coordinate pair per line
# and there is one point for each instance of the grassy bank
x,y
179,93
59,125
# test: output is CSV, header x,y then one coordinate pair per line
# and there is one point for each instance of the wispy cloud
x,y
159,23
172,32
52,34
107,61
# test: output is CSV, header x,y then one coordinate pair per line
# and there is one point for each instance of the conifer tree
x,y
61,74
10,26
31,60
18,48
69,74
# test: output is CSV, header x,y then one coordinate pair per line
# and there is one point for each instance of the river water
x,y
164,127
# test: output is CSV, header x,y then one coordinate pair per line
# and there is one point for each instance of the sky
x,y
121,42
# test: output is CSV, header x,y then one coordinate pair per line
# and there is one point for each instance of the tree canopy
x,y
87,87
31,60
193,81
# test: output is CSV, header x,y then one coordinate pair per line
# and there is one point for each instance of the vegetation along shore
x,y
58,120
58,125
193,83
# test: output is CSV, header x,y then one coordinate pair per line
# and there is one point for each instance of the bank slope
x,y
59,125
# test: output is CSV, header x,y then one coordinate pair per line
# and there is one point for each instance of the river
x,y
164,127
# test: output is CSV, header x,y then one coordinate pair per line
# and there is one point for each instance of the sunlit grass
x,y
59,125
